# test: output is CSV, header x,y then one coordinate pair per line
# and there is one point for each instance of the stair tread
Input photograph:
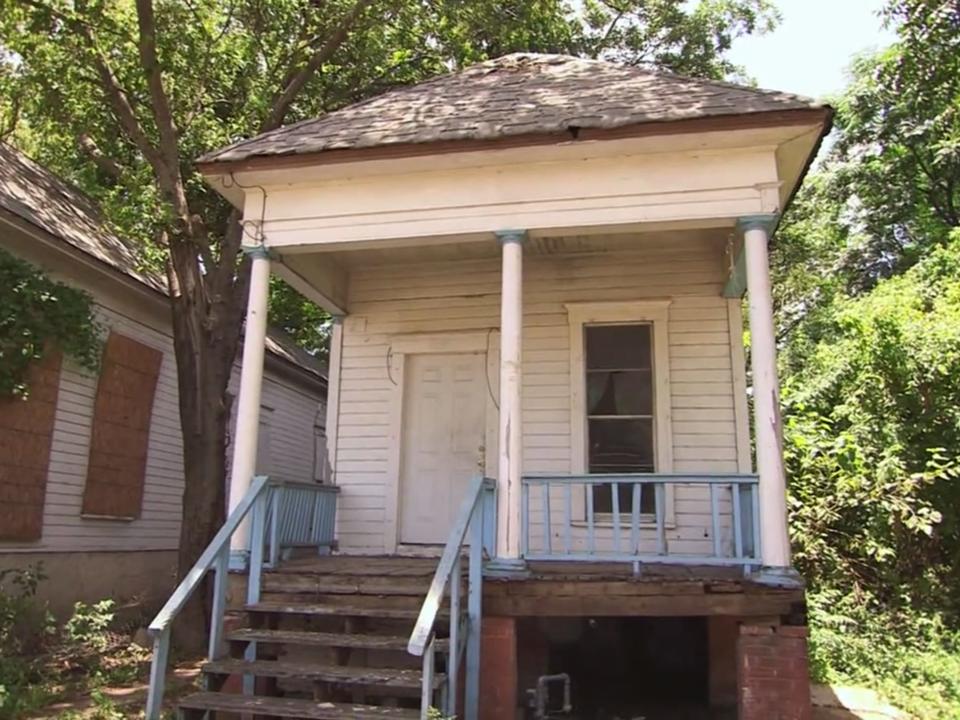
x,y
344,674
327,639
336,585
344,610
291,707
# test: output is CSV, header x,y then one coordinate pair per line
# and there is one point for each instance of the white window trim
x,y
655,312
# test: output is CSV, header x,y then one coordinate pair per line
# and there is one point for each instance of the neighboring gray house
x,y
91,467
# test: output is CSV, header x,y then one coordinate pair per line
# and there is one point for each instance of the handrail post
x,y
426,691
158,674
219,605
453,657
253,577
471,690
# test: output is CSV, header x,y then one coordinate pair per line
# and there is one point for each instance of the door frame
x,y
480,342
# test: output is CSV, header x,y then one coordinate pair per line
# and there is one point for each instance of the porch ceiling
x,y
535,246
324,276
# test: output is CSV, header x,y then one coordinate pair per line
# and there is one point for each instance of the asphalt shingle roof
x,y
34,194
513,95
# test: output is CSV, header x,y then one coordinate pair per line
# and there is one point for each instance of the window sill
x,y
109,518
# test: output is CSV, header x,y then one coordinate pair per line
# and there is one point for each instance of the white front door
x,y
444,424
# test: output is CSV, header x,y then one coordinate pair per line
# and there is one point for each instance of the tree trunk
x,y
203,373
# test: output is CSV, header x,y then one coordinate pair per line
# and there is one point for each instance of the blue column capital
x,y
256,252
753,222
511,236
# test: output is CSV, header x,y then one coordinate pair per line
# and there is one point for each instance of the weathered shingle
x,y
34,194
513,95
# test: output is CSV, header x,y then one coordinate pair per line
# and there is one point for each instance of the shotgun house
x,y
540,435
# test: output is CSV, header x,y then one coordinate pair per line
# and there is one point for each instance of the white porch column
x,y
248,400
510,466
774,541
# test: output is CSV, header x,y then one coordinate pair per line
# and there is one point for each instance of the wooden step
x,y
385,678
359,565
324,639
290,707
340,610
344,584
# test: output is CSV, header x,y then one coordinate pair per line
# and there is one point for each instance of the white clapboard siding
x,y
158,527
455,296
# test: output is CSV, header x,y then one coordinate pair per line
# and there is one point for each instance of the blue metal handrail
x,y
476,520
744,550
263,493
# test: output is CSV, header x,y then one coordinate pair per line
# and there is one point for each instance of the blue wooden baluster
x,y
661,521
615,496
715,520
591,543
737,526
547,546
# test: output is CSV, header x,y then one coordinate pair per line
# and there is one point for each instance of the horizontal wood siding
x,y
465,295
158,527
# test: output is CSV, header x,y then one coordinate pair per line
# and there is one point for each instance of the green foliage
x,y
299,318
912,659
871,436
40,661
26,630
867,285
37,315
88,625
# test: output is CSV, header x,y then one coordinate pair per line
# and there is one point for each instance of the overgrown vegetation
x,y
868,290
41,661
39,316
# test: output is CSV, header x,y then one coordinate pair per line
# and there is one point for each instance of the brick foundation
x,y
498,668
773,678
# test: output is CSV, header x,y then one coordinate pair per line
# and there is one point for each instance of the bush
x,y
910,658
26,631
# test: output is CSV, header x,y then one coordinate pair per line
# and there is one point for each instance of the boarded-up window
x,y
121,428
26,431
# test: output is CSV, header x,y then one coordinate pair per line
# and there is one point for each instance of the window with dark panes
x,y
620,422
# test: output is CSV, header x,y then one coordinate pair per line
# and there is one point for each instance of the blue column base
x,y
782,577
507,568
239,560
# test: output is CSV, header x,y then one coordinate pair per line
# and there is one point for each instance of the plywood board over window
x,y
26,430
121,429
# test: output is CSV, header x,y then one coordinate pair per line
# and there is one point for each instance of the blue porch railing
x,y
274,505
300,514
694,519
476,522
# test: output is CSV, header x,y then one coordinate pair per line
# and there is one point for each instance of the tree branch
x,y
90,148
160,106
285,99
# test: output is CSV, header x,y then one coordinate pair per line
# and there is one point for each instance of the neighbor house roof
x,y
37,196
514,95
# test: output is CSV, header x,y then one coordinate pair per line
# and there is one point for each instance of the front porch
x,y
554,304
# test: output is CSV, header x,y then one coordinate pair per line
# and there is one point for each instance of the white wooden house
x,y
537,268
116,537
